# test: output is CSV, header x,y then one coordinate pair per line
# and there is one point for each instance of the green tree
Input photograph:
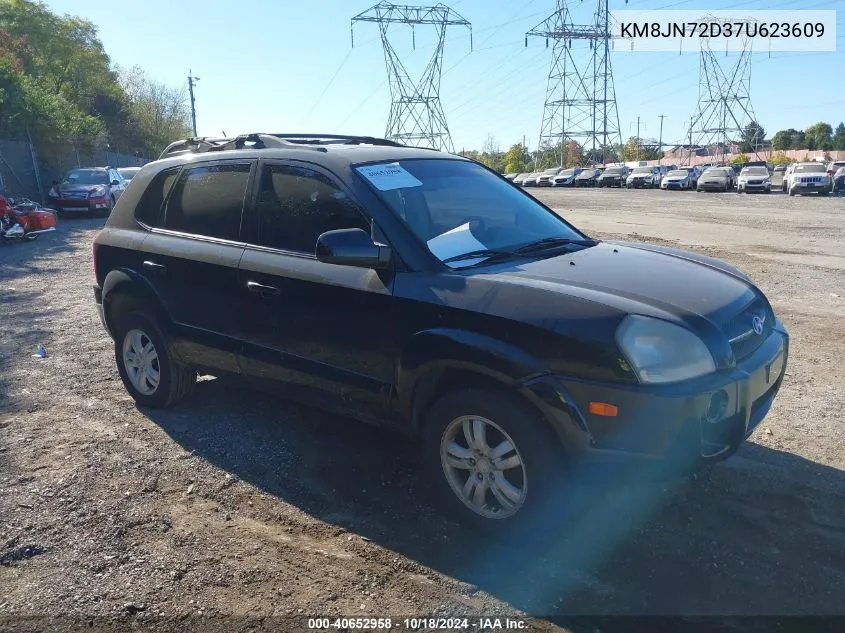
x,y
635,150
58,84
782,140
780,159
740,159
819,136
752,137
516,159
838,139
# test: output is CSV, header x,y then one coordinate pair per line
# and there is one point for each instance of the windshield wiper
x,y
552,242
483,252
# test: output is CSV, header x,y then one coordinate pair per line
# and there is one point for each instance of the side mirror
x,y
352,247
115,182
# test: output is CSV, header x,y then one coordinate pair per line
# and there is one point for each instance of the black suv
x,y
422,291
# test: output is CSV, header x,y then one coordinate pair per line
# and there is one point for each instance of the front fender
x,y
441,349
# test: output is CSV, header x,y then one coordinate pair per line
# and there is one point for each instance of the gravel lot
x,y
237,504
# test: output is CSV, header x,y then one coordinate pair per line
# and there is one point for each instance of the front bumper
x,y
82,205
674,185
638,184
747,186
675,429
712,186
808,187
544,183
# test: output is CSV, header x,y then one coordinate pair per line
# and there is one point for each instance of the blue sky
x,y
288,66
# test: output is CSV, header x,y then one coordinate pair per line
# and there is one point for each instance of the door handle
x,y
159,268
261,289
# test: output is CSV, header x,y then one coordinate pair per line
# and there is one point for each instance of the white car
x,y
678,179
644,177
754,179
566,178
808,178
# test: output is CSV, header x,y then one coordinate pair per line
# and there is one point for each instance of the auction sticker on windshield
x,y
388,177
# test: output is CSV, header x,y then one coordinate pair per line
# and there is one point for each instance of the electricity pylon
x,y
580,96
724,100
416,114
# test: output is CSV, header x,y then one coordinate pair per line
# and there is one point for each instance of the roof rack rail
x,y
258,140
331,139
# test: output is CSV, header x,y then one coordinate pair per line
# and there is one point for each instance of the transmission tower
x,y
416,114
580,95
724,99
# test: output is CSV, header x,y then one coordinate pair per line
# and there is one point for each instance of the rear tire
x,y
150,373
491,460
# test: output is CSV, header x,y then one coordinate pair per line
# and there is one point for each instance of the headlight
x,y
99,191
661,352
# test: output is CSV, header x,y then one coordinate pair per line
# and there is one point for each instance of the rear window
x,y
208,200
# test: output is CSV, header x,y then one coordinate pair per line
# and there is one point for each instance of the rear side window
x,y
150,209
208,201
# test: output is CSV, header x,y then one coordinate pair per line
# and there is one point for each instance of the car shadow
x,y
762,535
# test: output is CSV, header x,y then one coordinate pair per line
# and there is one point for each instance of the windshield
x,y
128,172
642,170
715,172
86,177
567,172
814,168
587,173
457,207
613,171
552,171
840,172
680,173
755,171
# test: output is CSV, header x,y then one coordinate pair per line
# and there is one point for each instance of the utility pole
x,y
191,83
638,139
660,141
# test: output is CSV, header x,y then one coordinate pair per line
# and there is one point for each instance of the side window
x,y
150,208
208,200
296,204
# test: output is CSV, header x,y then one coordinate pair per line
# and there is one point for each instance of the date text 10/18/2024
x,y
479,624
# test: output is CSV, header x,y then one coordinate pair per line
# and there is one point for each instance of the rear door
x,y
191,256
325,331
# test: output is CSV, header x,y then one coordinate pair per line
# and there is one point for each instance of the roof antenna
x,y
224,133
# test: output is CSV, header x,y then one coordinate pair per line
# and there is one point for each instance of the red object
x,y
40,220
4,206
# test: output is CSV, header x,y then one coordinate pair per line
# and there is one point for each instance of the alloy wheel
x,y
484,467
140,359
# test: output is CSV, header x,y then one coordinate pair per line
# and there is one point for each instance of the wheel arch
x,y
124,289
437,361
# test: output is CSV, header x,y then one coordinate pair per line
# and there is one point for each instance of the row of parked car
x,y
798,178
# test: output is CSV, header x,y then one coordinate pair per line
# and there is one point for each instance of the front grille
x,y
740,328
755,182
75,195
811,179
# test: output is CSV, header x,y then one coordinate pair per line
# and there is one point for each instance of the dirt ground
x,y
249,511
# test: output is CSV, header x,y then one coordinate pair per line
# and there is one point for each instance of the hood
x,y
637,278
611,176
71,188
675,178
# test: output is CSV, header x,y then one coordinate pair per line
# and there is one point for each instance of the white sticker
x,y
458,241
388,177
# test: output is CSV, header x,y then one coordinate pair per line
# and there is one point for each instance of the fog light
x,y
717,407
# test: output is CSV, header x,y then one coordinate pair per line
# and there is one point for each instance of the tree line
x,y
517,159
58,86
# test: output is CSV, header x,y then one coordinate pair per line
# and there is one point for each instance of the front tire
x,y
150,373
491,459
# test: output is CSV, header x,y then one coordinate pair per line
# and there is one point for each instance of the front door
x,y
324,331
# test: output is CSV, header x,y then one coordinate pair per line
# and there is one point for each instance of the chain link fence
x,y
27,171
